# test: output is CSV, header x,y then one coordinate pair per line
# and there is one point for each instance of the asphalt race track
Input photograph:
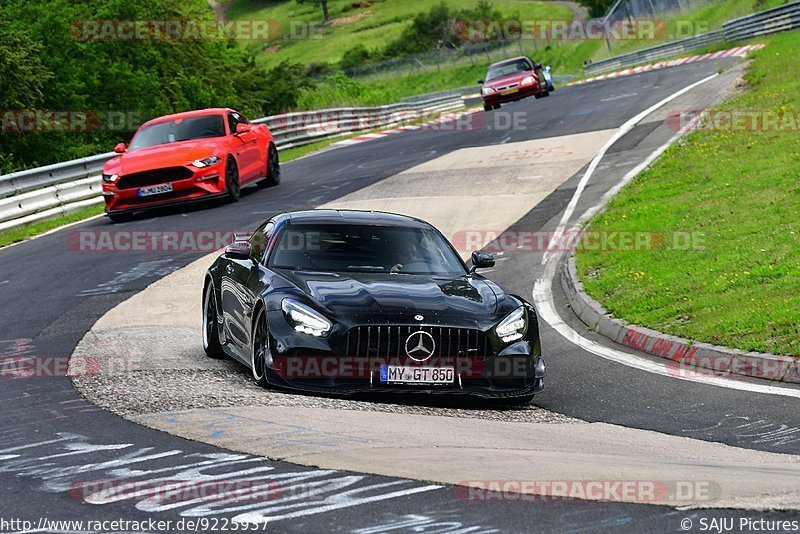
x,y
51,438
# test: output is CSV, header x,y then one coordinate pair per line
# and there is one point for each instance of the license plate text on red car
x,y
398,374
154,190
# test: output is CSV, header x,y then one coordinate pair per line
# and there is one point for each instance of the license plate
x,y
398,374
154,190
509,91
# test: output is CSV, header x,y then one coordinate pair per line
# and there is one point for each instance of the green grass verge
x,y
15,235
739,285
373,25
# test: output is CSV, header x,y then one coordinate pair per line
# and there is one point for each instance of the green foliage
x,y
597,8
47,63
429,30
355,57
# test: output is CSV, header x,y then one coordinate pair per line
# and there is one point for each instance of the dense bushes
x,y
47,63
440,27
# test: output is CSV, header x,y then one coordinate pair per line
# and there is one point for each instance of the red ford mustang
x,y
513,79
189,156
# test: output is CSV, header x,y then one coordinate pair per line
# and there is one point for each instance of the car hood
x,y
169,155
507,79
369,295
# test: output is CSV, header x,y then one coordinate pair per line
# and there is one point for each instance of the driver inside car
x,y
408,251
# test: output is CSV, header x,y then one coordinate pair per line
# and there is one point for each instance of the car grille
x,y
389,341
153,177
513,85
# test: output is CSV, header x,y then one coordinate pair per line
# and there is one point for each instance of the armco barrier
x,y
45,192
776,19
655,53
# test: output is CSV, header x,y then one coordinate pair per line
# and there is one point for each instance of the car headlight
x,y
514,326
109,178
207,162
528,80
305,319
486,91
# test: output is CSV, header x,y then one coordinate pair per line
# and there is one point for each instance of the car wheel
x,y
487,107
273,168
497,106
546,93
232,180
210,331
260,349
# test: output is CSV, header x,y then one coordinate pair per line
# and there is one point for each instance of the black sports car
x,y
355,301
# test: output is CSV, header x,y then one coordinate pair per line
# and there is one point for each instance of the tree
x,y
324,3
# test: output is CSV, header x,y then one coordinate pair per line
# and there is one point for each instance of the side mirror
x,y
242,128
481,260
480,82
537,65
120,148
239,250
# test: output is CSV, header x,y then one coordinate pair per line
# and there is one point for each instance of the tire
x,y
546,94
210,331
232,180
260,349
487,108
273,168
496,106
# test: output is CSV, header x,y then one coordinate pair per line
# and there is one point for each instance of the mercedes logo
x,y
419,318
420,346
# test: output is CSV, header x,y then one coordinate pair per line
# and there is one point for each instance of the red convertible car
x,y
513,79
186,157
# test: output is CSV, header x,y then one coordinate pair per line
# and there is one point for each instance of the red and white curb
x,y
740,51
430,126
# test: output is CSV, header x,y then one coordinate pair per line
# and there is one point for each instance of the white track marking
x,y
543,298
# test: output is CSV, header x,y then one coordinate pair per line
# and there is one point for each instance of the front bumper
x,y
302,362
523,92
202,185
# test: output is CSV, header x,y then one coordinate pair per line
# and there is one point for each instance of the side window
x,y
260,240
234,119
232,123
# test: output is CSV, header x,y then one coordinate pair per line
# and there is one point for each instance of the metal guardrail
x,y
776,19
36,194
655,53
773,20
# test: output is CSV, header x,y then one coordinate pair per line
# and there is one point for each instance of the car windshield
x,y
365,248
179,130
504,69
